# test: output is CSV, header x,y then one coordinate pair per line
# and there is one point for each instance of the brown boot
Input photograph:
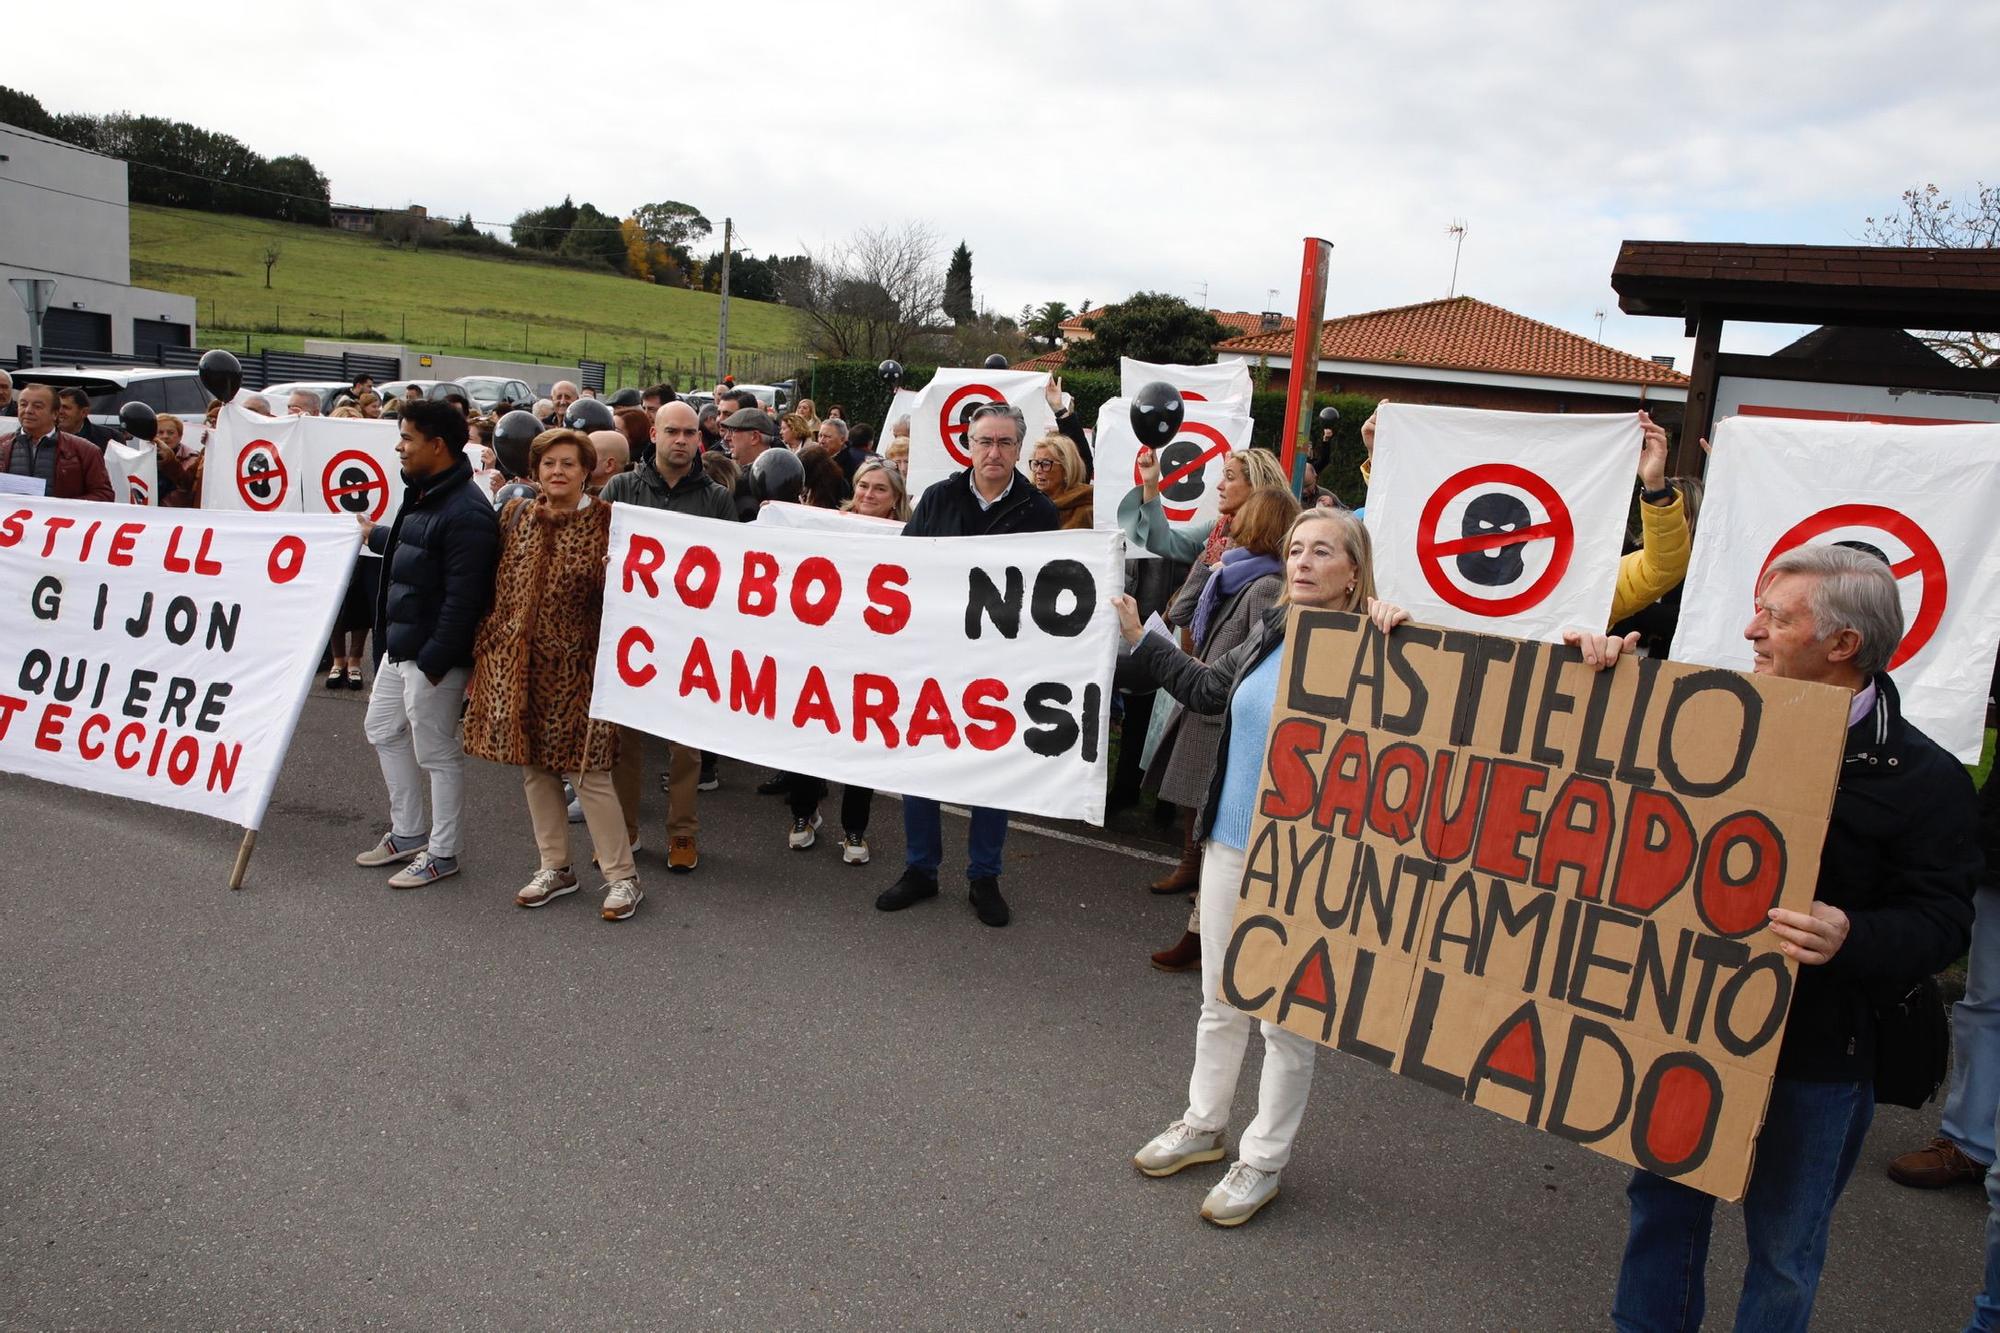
x,y
1185,956
1934,1166
1186,875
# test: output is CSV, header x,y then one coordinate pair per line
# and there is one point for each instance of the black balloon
x,y
221,373
1157,414
512,435
627,398
778,475
514,490
1329,417
996,362
139,421
589,414
892,371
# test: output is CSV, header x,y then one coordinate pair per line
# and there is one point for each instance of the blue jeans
x,y
1975,1039
1805,1153
1986,1305
925,839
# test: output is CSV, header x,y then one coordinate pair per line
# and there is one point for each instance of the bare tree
x,y
272,253
873,296
1930,219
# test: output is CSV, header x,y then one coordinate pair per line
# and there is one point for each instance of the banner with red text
x,y
161,656
938,419
967,669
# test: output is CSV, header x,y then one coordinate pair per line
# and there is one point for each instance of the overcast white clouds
x,y
1085,150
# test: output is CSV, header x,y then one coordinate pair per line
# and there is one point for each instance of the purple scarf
x,y
1237,570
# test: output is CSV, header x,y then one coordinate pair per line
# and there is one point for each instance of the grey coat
x,y
1185,760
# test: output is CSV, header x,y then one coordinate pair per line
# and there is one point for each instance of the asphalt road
x,y
321,1103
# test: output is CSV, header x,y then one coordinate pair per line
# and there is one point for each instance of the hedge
x,y
863,396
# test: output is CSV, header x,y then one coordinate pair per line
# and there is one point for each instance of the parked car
x,y
486,391
330,393
428,388
771,397
111,387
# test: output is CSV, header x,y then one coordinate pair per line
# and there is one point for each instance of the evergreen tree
x,y
958,285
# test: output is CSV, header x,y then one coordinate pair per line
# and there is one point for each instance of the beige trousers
x,y
683,772
601,815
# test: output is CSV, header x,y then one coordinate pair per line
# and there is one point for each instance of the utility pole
x,y
722,329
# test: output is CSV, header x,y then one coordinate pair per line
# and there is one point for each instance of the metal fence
x,y
259,368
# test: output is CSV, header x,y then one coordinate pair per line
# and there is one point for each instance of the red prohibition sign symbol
x,y
1186,470
135,488
1924,560
952,429
369,495
1557,527
271,477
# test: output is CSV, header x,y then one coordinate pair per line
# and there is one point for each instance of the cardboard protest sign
x,y
937,421
302,465
1919,496
1191,465
1538,888
162,657
1502,522
1225,385
965,669
134,471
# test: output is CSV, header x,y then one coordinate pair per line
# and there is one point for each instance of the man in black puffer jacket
x,y
988,497
437,582
1893,905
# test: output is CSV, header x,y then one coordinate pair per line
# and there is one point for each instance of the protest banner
x,y
302,465
1191,465
902,403
161,657
135,472
1225,385
937,421
1535,887
785,514
1501,521
971,669
1920,496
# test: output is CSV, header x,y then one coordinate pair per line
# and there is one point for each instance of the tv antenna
x,y
1600,323
1457,232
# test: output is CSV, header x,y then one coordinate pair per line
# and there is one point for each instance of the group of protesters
x,y
488,601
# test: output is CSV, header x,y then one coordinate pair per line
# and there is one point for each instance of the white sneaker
x,y
575,804
854,849
805,832
1178,1146
622,899
1242,1192
546,887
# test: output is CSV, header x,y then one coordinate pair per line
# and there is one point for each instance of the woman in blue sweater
x,y
1329,565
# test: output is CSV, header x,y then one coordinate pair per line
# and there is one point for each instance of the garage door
x,y
75,330
150,335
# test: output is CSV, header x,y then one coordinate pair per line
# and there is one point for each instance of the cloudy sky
x,y
1085,150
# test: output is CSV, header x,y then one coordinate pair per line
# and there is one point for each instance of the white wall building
x,y
64,216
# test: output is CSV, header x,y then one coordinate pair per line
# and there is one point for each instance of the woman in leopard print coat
x,y
533,661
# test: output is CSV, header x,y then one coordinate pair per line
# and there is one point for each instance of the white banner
x,y
135,472
1223,385
937,421
302,465
903,403
975,670
1191,465
1922,496
162,657
785,514
1501,522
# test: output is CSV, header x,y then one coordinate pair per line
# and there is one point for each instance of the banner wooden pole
x,y
243,852
1304,378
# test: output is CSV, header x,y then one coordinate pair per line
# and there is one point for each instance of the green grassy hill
x,y
332,284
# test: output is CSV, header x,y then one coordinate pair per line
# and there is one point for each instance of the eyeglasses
x,y
992,446
1041,464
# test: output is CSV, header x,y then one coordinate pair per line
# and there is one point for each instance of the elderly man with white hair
x,y
561,394
1892,906
302,403
7,408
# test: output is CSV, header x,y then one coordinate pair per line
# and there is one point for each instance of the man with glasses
x,y
989,497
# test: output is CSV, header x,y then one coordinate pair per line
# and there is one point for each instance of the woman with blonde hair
x,y
1056,469
796,432
533,662
897,455
879,492
1145,522
1329,564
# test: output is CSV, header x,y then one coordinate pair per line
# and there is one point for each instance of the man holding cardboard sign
x,y
1893,903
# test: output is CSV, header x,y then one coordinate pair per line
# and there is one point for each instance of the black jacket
x,y
949,509
696,493
437,570
1207,687
1071,427
1902,859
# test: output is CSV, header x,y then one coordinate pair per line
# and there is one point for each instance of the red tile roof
x,y
1055,360
1461,333
1236,321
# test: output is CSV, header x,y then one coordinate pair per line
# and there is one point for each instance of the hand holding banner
x,y
1191,466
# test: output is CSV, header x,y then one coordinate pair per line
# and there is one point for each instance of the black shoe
x,y
987,904
775,785
912,888
708,781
